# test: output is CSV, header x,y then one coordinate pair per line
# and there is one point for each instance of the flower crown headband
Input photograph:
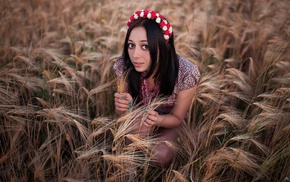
x,y
163,23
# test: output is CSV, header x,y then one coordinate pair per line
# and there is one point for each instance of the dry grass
x,y
57,85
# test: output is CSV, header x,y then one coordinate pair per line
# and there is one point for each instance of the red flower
x,y
163,23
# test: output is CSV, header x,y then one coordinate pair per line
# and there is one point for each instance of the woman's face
x,y
138,49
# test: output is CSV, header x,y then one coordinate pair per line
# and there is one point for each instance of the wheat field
x,y
57,119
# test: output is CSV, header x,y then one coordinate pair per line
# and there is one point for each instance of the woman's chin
x,y
140,70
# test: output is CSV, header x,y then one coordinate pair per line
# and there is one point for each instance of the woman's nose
x,y
137,52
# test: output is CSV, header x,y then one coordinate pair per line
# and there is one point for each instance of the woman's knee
x,y
162,155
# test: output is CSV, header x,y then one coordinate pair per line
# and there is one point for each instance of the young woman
x,y
154,70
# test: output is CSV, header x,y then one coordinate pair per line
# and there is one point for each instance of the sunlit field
x,y
57,120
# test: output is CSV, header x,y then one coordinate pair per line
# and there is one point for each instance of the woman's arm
x,y
175,118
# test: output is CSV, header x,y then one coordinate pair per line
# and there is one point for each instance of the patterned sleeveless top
x,y
188,77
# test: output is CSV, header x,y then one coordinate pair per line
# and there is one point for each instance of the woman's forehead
x,y
138,34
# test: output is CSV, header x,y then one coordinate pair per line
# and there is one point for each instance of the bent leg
x,y
140,130
163,153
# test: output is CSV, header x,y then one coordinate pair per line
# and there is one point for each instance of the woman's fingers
x,y
147,125
151,119
123,101
120,105
124,96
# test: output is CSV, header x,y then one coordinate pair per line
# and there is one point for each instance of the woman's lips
x,y
137,64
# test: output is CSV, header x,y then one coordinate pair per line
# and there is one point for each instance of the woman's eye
x,y
145,47
130,45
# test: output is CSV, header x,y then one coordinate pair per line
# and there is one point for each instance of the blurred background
x,y
57,119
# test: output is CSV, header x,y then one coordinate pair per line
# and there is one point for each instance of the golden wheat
x,y
57,85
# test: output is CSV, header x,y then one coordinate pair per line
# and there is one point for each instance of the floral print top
x,y
188,77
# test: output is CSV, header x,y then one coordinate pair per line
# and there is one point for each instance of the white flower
x,y
170,29
142,14
136,16
165,22
158,20
149,15
164,28
166,37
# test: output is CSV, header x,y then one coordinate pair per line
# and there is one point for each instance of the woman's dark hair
x,y
167,71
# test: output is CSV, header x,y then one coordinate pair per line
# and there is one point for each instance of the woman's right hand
x,y
123,102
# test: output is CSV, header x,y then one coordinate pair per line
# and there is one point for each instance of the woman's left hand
x,y
151,119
